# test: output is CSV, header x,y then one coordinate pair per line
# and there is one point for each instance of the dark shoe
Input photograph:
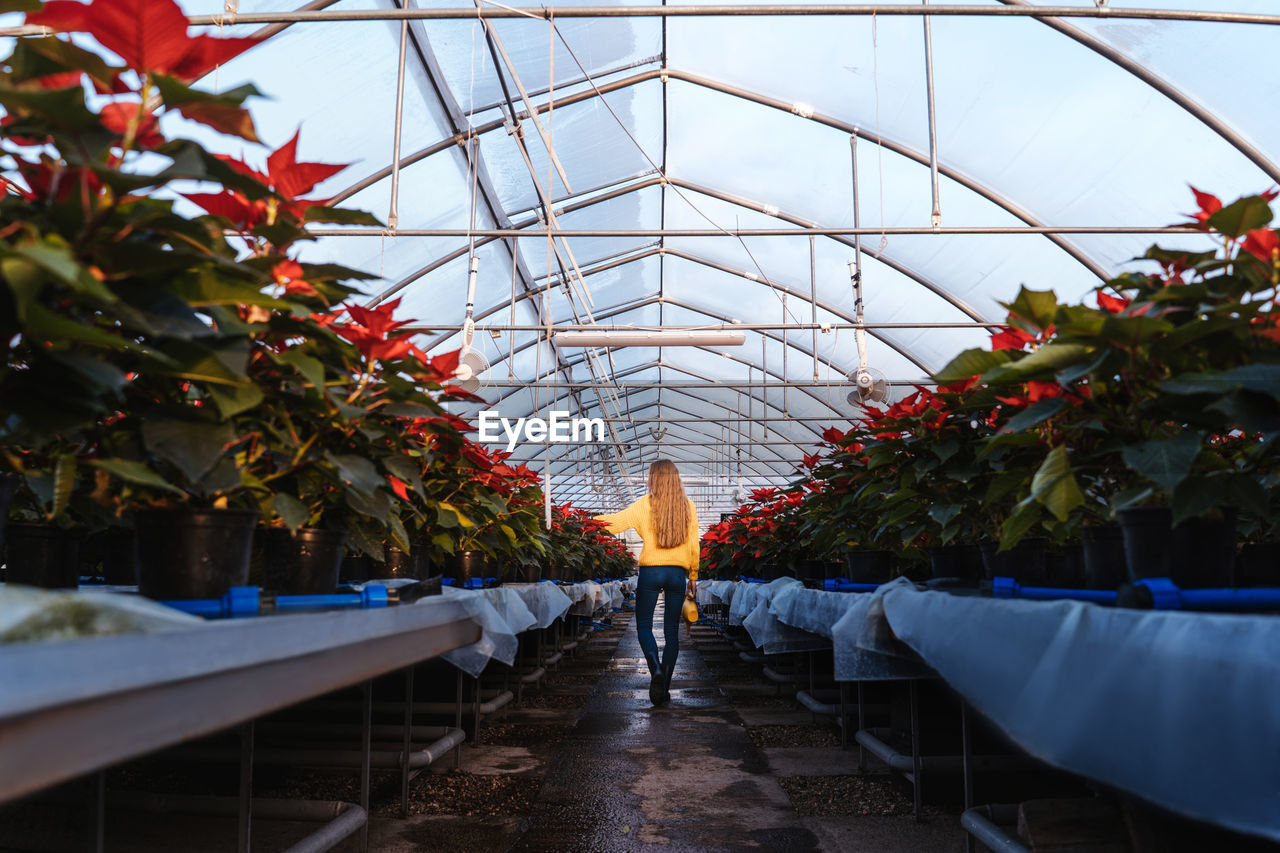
x,y
657,683
657,688
666,683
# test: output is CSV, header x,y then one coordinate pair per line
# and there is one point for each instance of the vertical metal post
x,y
844,714
966,751
99,811
245,811
813,302
366,752
457,723
857,210
862,752
936,217
408,741
784,354
916,763
393,215
475,719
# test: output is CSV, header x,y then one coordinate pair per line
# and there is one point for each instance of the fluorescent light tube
x,y
668,338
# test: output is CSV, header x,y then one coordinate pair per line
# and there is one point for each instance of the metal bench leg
x,y
916,764
366,749
245,811
966,749
457,722
408,741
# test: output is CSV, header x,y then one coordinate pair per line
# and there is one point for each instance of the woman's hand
x,y
691,588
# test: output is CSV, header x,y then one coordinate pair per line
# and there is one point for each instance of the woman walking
x,y
668,524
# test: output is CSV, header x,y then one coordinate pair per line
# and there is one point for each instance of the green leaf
x,y
356,471
443,509
1078,371
193,447
347,216
1051,356
56,259
1130,332
973,362
1018,524
222,112
1034,414
1054,485
1166,462
312,369
1195,496
62,108
292,511
1263,378
944,513
376,505
64,480
1241,216
399,535
231,400
362,540
136,473
1039,307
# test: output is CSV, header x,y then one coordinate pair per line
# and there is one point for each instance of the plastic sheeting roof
x,y
742,123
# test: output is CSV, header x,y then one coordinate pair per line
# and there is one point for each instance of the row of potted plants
x,y
1133,437
171,367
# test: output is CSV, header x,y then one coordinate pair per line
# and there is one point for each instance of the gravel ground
x,y
553,700
763,736
527,734
845,796
780,703
460,793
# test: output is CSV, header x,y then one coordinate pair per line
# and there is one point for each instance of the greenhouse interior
x,y
437,426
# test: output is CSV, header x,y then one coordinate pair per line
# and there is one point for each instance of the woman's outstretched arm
x,y
624,520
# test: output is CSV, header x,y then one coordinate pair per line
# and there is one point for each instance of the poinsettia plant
x,y
1134,401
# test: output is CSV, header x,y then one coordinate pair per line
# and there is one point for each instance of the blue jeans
x,y
654,579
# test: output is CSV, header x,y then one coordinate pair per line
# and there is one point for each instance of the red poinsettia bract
x,y
149,35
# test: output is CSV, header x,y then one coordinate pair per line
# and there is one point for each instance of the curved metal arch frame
x,y
659,300
684,394
713,315
759,207
622,374
659,364
665,74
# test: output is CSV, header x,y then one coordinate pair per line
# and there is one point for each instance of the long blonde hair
x,y
668,506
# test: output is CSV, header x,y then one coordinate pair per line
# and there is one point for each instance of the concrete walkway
x,y
685,777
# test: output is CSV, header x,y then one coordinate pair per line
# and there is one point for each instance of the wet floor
x,y
683,776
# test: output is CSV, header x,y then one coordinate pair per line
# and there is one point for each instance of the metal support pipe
x,y
983,823
936,216
797,231
966,750
917,766
366,749
244,812
341,819
725,10
457,723
813,302
99,811
393,214
737,327
408,741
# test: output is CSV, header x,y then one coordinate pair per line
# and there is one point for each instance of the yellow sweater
x,y
639,517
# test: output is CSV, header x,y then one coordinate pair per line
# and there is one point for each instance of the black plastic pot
x,y
869,566
956,561
401,565
528,573
462,566
1148,541
811,570
1024,562
1258,564
189,553
1064,569
355,568
496,568
42,555
7,483
773,571
1104,560
1204,549
305,562
111,554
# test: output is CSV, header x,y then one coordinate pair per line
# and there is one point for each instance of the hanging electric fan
x,y
471,362
869,384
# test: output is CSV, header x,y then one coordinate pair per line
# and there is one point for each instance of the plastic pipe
x,y
371,596
1009,588
842,585
983,823
1164,594
242,601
